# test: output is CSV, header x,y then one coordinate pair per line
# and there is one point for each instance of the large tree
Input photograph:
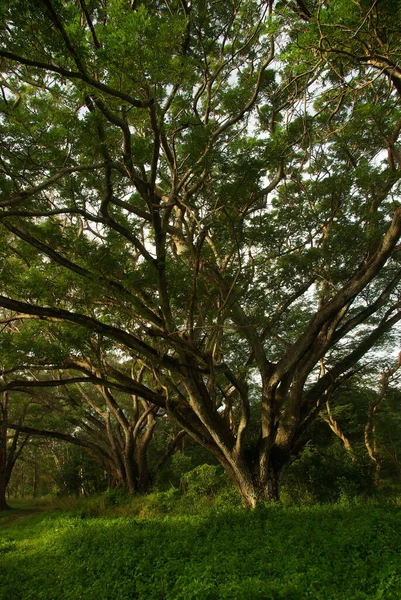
x,y
200,207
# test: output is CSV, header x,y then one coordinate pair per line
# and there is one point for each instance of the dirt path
x,y
19,516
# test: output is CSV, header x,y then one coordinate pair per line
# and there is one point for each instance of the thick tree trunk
x,y
255,487
271,490
253,493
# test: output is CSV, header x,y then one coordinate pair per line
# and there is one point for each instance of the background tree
x,y
206,194
115,433
12,443
388,377
32,475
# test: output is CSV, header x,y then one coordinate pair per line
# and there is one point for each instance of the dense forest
x,y
200,227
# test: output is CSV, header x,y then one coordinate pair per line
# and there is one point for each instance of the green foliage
x,y
327,474
171,473
78,473
158,504
115,497
320,552
205,480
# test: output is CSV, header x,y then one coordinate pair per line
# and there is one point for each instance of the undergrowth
x,y
158,547
197,542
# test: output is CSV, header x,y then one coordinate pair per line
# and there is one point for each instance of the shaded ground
x,y
275,553
10,517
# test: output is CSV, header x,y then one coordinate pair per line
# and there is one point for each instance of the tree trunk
x,y
271,491
3,490
144,479
254,486
253,492
131,469
142,445
4,470
35,476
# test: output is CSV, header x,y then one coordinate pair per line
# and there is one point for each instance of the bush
x,y
115,497
171,473
158,504
326,475
205,480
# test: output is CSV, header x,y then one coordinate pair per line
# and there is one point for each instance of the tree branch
x,y
77,75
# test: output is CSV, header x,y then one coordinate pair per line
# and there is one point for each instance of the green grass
x,y
319,552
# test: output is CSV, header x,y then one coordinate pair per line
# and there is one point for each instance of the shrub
x,y
171,473
326,475
115,497
159,504
205,480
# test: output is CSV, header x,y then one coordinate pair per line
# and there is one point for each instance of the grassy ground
x,y
340,552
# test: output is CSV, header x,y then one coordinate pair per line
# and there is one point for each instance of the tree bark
x,y
255,488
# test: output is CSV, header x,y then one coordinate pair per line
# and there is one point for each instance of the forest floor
x,y
323,552
16,515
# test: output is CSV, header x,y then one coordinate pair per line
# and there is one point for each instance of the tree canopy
x,y
200,208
